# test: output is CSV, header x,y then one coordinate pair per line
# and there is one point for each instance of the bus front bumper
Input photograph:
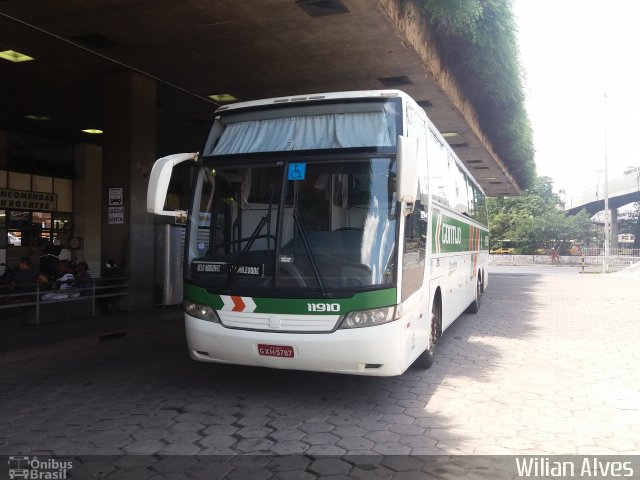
x,y
375,351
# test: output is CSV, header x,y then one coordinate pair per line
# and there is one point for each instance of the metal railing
x,y
100,288
614,252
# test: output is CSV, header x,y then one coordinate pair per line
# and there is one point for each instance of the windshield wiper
x,y
312,258
234,267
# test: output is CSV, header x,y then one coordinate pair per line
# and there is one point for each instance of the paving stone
x,y
378,472
320,439
219,419
240,473
417,441
285,422
322,450
182,437
217,441
253,421
355,443
316,427
330,466
340,420
391,448
349,431
295,463
144,447
254,432
293,476
398,418
191,417
199,407
379,436
187,427
289,447
220,430
389,408
287,434
370,425
109,439
403,463
150,433
254,445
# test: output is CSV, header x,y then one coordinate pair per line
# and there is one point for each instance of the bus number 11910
x,y
323,307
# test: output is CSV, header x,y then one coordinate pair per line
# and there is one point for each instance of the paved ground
x,y
548,366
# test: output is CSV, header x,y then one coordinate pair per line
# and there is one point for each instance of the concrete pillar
x,y
3,149
129,153
87,201
613,215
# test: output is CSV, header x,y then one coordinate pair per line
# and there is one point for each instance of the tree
x,y
534,220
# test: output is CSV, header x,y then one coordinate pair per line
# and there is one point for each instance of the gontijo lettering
x,y
451,234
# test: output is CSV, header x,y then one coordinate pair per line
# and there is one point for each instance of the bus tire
x,y
425,360
475,305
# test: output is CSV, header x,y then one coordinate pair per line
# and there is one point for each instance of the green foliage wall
x,y
477,40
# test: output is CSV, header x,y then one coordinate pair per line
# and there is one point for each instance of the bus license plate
x,y
283,351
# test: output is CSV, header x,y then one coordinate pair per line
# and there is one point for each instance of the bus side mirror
x,y
159,182
408,158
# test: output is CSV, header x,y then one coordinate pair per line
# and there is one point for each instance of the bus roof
x,y
317,97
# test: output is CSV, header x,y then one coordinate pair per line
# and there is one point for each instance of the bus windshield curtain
x,y
369,129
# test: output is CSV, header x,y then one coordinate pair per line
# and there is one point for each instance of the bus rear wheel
x,y
425,360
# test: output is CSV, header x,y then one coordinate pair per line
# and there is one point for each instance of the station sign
x,y
23,200
115,196
116,215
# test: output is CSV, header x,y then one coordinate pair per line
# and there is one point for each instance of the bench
x,y
77,303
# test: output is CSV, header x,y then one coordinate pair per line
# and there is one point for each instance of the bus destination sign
x,y
223,268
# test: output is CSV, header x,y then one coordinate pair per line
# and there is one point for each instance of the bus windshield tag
x,y
297,171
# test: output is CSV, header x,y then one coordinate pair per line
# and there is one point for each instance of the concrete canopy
x,y
250,49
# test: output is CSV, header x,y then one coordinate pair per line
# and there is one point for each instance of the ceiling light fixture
x,y
223,97
14,56
93,131
37,117
450,134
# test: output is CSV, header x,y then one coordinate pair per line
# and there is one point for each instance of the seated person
x,y
24,277
83,279
62,286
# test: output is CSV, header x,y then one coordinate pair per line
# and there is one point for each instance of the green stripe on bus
x,y
453,235
359,301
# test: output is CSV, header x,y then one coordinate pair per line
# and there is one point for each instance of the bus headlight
x,y
203,312
368,318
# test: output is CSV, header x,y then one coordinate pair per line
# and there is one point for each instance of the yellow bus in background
x,y
503,247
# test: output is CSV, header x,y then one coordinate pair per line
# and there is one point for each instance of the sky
x,y
572,53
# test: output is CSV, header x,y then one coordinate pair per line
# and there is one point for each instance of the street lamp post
x,y
607,223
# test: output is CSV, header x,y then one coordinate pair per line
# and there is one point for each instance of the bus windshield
x,y
298,225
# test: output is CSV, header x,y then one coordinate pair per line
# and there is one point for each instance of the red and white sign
x,y
234,303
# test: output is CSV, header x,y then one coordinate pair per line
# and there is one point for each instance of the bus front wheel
x,y
425,360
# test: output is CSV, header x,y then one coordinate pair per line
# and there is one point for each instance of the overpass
x,y
621,191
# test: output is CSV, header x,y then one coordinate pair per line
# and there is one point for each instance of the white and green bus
x,y
334,232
